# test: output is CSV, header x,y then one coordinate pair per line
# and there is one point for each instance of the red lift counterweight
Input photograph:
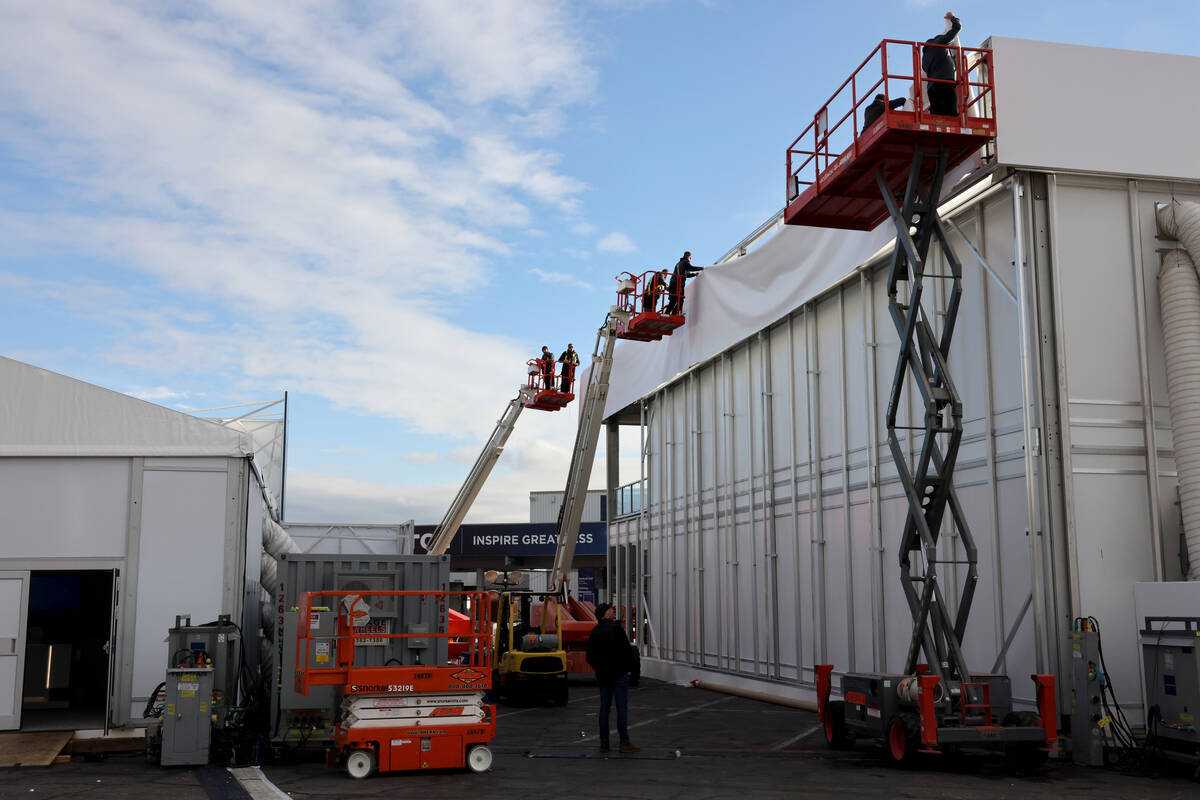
x,y
937,702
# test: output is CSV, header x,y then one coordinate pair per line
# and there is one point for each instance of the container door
x,y
14,611
112,646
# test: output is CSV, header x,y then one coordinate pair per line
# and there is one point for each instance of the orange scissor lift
x,y
403,717
841,175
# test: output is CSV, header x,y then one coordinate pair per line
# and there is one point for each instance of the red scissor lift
x,y
403,717
545,386
654,311
840,176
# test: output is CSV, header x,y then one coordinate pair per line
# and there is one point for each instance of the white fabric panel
x,y
1095,109
739,298
63,507
43,413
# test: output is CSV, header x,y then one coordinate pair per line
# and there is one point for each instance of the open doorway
x,y
66,650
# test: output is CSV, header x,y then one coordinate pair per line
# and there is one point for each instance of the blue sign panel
x,y
516,539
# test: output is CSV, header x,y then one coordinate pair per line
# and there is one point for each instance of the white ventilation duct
x,y
1179,296
276,541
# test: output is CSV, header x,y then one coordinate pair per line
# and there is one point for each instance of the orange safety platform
x,y
832,166
547,385
654,310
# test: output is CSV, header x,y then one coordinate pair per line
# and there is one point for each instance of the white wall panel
x,y
181,562
63,507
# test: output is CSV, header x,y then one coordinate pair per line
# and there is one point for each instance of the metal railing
x,y
892,62
631,498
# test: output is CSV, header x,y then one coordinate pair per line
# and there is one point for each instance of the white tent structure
x,y
115,516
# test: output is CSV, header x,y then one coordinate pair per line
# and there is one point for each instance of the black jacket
x,y
609,651
684,269
569,357
875,110
937,61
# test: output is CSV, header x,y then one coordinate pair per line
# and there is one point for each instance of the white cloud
x,y
320,176
158,394
564,278
419,457
616,242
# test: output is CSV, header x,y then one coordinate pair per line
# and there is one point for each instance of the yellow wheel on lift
x,y
360,764
479,758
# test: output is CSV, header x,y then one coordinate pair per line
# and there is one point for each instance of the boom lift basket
x,y
545,386
654,311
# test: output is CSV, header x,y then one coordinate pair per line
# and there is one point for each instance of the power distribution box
x,y
187,717
1087,709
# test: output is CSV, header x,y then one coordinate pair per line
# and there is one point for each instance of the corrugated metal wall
x,y
769,540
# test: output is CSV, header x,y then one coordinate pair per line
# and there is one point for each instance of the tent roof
x,y
43,413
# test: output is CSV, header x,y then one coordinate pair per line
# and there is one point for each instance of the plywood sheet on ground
x,y
37,749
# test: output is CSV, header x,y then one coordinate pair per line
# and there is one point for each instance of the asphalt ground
x,y
728,747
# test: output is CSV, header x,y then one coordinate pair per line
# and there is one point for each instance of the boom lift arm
x,y
591,414
444,534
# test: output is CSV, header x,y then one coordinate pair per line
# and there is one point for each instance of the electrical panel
x,y
187,717
1171,670
1088,719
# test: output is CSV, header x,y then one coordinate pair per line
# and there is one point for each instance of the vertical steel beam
x,y
793,494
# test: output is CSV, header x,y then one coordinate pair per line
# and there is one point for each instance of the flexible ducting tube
x,y
1179,296
276,542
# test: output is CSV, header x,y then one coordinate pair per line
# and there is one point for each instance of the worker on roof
x,y
569,360
656,287
683,271
938,63
547,359
875,110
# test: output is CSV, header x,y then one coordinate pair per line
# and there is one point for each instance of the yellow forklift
x,y
529,664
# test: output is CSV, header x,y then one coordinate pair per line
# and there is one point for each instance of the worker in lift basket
x,y
611,655
656,287
875,110
570,360
547,359
938,63
683,271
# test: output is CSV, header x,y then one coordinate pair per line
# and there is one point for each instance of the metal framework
x,y
928,482
444,534
591,416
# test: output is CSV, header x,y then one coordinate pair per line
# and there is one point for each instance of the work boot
x,y
604,748
630,747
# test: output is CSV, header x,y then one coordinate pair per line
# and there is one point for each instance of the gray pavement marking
x,y
688,710
542,708
257,785
797,738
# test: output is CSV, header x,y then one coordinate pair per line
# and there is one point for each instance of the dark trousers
x,y
674,298
649,301
615,690
943,99
568,374
548,378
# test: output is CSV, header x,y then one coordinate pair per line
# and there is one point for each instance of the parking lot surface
x,y
695,744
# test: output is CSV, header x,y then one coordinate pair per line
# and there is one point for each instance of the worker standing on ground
x,y
683,271
938,64
569,360
611,655
547,359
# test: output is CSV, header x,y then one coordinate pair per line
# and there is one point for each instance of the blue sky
x,y
386,207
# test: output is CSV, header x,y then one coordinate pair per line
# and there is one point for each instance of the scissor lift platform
x,y
833,167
